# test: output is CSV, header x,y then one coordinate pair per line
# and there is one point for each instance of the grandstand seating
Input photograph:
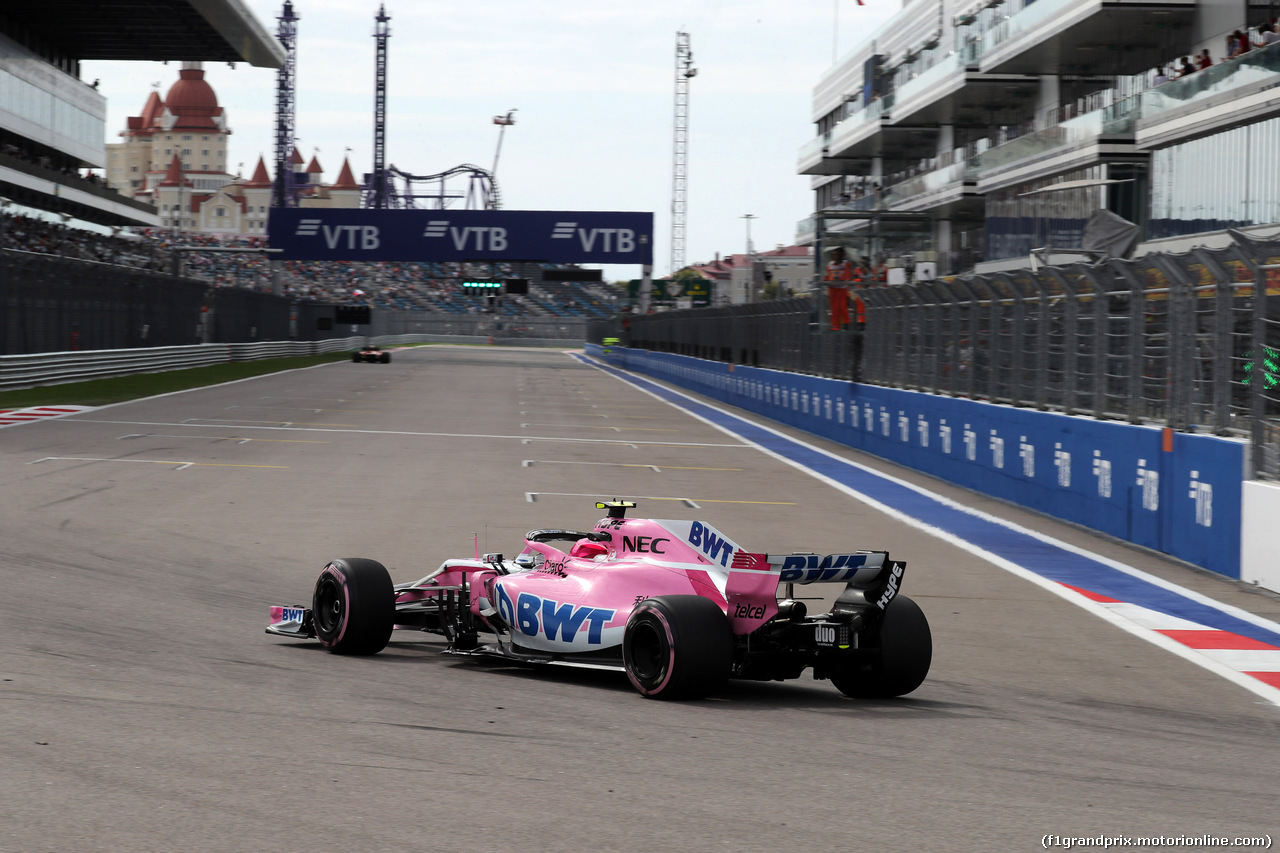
x,y
409,286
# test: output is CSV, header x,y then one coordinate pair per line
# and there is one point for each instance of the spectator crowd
x,y
1238,43
401,286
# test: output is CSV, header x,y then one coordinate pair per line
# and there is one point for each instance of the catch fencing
x,y
57,304
778,334
1187,341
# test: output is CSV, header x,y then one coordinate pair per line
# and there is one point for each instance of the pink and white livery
x,y
677,605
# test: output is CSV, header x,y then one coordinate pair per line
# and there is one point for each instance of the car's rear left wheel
x,y
353,607
677,647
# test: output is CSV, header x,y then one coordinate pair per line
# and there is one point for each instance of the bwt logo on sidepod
x,y
611,239
357,236
533,615
494,236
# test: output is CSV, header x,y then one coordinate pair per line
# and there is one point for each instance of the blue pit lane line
x,y
1044,558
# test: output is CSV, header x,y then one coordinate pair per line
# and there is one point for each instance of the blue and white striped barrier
x,y
1173,492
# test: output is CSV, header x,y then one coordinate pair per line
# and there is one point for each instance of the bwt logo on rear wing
x,y
860,569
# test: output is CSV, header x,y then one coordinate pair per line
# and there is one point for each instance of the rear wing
x,y
868,575
857,568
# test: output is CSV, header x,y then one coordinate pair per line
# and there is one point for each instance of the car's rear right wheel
x,y
906,651
677,647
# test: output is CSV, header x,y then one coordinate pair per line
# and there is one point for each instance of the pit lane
x,y
147,709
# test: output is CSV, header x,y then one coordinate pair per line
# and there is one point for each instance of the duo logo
x,y
533,615
718,547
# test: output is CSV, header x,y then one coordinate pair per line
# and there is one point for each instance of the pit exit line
x,y
523,439
180,463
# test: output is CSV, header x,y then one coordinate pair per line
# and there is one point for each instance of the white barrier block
x,y
1259,550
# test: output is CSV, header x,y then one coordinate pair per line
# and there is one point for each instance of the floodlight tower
x,y
680,156
286,80
503,123
378,190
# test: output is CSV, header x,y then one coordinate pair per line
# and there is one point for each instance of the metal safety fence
x,y
49,303
56,304
1188,341
778,334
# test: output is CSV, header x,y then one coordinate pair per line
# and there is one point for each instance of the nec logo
x,y
490,238
357,236
611,239
644,544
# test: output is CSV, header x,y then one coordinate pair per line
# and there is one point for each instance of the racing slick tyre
x,y
385,358
906,650
677,647
355,357
354,607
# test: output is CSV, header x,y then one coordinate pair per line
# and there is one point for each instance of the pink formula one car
x,y
677,605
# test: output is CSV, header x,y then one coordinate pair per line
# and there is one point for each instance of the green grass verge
x,y
118,389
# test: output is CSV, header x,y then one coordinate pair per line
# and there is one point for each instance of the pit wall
x,y
1177,493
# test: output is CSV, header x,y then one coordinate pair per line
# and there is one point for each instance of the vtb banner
x,y
565,237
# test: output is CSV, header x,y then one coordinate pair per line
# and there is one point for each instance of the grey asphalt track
x,y
143,708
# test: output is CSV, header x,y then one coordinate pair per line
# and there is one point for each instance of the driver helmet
x,y
588,550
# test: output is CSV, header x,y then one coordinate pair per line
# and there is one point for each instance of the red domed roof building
x,y
175,155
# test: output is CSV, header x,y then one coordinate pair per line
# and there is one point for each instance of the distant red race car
x,y
372,354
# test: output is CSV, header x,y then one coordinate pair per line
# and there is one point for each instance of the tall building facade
x,y
52,126
968,133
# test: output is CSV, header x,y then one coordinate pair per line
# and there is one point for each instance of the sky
x,y
593,89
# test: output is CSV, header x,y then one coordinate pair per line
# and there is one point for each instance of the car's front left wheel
x,y
677,647
353,607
